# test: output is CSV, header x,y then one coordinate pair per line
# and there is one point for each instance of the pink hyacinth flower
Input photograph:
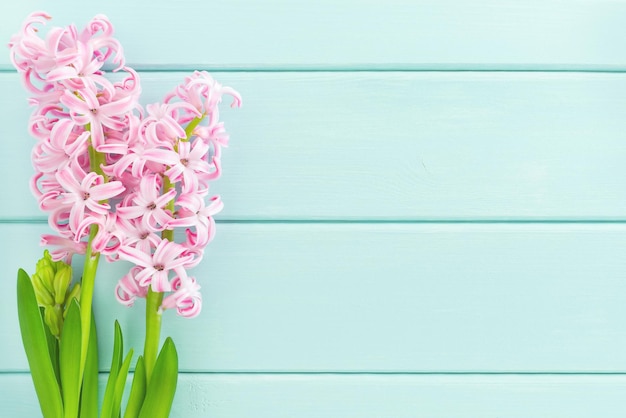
x,y
194,213
128,288
137,235
63,147
89,110
85,193
187,164
149,204
65,247
186,297
168,256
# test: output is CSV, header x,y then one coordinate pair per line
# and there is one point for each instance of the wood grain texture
x,y
399,146
372,396
380,298
325,314
401,34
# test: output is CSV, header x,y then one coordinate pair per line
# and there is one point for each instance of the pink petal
x,y
135,256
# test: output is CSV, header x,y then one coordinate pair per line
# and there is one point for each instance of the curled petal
x,y
65,247
128,288
186,297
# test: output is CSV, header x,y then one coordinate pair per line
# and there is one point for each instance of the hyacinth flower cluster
x,y
115,178
103,160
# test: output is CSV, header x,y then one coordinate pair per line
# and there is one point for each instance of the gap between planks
x,y
37,221
373,68
363,373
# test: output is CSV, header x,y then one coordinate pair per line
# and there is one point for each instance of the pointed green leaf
x,y
89,394
137,390
116,363
69,354
36,348
162,386
120,384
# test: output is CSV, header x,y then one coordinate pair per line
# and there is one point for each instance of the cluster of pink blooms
x,y
101,159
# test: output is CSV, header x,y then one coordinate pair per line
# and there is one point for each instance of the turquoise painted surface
x,y
401,145
348,34
403,243
375,396
386,298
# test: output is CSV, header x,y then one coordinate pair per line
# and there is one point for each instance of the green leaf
x,y
36,348
116,363
89,394
162,386
69,353
137,390
120,384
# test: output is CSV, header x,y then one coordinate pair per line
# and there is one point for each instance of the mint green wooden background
x,y
425,207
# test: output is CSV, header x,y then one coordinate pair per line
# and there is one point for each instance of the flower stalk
x,y
153,303
153,330
90,270
191,126
155,299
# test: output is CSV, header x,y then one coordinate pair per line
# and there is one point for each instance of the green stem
x,y
96,159
154,299
153,304
86,297
153,331
167,186
192,125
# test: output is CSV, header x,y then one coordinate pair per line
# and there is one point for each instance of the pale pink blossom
x,y
109,237
65,247
187,164
148,204
76,106
137,235
85,193
185,297
130,86
83,72
28,49
63,147
88,110
98,33
161,126
134,160
194,213
203,93
46,189
168,256
128,288
214,135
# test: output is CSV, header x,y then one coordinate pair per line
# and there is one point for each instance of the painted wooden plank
x,y
534,34
372,396
410,146
382,298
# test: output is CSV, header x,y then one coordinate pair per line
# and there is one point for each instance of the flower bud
x,y
46,261
53,320
74,293
46,274
62,280
51,282
43,295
